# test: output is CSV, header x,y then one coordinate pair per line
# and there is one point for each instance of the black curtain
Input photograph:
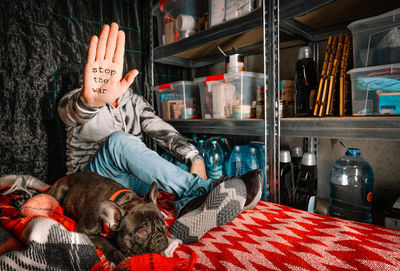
x,y
43,46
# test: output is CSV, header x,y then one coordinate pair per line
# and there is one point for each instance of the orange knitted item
x,y
157,262
46,206
41,205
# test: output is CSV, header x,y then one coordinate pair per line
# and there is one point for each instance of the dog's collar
x,y
116,194
106,231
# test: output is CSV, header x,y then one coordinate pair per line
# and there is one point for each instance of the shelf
x,y
253,127
245,33
301,19
383,128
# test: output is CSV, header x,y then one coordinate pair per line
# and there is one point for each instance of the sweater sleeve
x,y
164,134
73,110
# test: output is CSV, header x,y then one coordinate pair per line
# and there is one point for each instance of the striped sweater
x,y
87,127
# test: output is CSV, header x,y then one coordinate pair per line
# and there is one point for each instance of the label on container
x,y
215,172
311,204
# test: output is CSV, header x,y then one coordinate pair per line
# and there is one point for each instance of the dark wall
x,y
43,46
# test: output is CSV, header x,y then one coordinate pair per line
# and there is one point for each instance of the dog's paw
x,y
115,256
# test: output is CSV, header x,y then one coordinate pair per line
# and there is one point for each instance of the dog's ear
x,y
111,214
153,193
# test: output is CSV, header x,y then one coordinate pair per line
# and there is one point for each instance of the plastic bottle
x,y
250,162
306,83
194,141
260,146
296,154
286,178
306,184
351,184
235,162
227,152
202,150
214,160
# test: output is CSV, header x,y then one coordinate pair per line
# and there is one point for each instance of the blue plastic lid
x,y
353,152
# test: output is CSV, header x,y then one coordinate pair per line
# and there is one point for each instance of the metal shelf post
x,y
271,87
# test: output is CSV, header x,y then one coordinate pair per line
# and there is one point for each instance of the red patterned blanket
x,y
276,237
269,237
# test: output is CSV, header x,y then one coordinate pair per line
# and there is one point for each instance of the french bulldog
x,y
136,225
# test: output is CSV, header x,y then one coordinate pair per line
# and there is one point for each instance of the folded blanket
x,y
52,244
51,247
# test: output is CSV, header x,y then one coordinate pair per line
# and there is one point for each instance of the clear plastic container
x,y
178,19
376,90
376,40
229,95
178,100
222,10
351,184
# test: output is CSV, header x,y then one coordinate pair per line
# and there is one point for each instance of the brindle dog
x,y
136,225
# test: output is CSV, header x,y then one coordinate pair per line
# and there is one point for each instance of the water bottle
x,y
214,160
351,184
260,146
286,178
202,149
235,162
193,141
250,162
226,149
306,184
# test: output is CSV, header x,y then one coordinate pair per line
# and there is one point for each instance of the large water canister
x,y
351,184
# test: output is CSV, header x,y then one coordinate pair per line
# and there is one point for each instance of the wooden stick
x,y
342,71
336,62
330,64
323,75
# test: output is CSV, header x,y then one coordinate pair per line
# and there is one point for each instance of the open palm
x,y
102,78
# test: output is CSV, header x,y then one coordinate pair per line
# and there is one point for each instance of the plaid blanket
x,y
35,234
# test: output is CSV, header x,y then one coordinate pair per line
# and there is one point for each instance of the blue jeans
x,y
127,160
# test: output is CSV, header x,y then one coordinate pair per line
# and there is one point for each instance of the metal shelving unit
x,y
377,128
170,53
266,23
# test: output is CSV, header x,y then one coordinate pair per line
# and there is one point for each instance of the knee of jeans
x,y
120,139
116,137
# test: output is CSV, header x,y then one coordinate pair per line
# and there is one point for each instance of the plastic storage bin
x,y
376,40
376,90
230,95
178,100
178,19
222,10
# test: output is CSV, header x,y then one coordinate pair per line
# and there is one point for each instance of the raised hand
x,y
102,78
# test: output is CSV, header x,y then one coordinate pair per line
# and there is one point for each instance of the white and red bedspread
x,y
276,237
269,237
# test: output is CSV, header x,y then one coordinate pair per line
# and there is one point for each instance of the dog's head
x,y
137,225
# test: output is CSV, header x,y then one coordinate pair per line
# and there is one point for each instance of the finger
x,y
129,78
101,45
119,51
111,42
91,56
